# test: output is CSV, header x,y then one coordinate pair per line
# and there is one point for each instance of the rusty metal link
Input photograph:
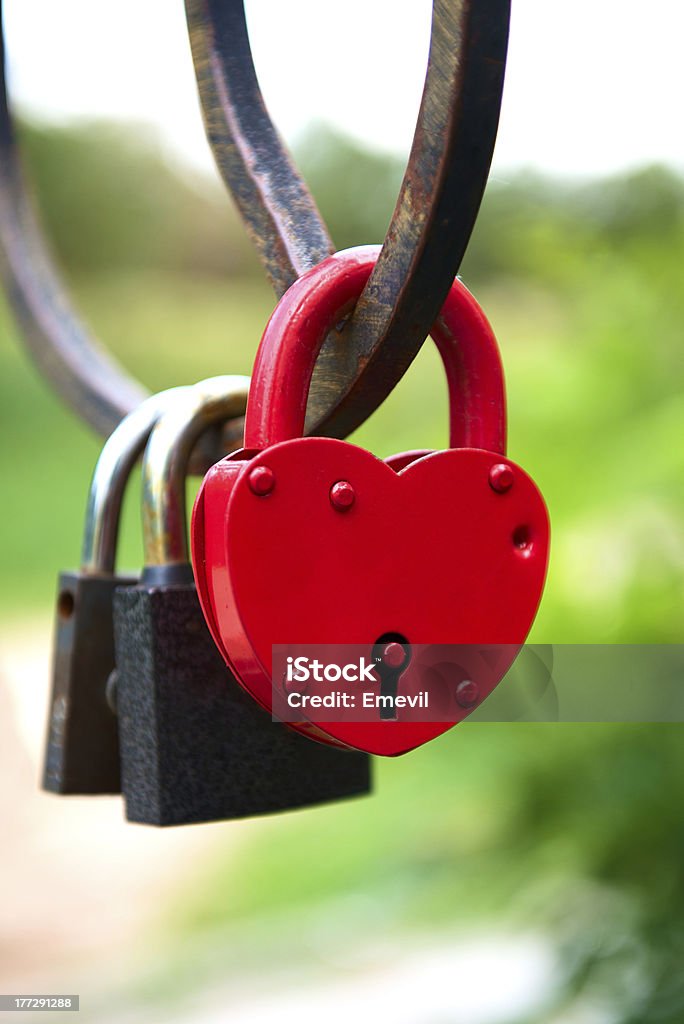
x,y
432,222
275,204
435,212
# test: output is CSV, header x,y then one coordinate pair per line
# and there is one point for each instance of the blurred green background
x,y
571,831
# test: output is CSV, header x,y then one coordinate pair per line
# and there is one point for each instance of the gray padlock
x,y
82,754
194,745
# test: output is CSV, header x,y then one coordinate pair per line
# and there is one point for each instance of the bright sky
x,y
592,85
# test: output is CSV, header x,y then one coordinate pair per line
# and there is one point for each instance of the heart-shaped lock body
x,y
316,541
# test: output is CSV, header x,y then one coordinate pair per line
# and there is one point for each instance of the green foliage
x,y
354,189
110,201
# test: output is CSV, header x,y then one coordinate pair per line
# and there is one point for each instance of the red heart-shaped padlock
x,y
312,541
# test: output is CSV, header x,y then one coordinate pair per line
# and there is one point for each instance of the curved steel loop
x,y
112,471
64,351
435,212
184,420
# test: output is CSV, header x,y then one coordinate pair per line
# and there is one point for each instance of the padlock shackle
x,y
121,451
322,299
165,469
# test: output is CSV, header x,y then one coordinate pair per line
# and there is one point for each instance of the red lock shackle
x,y
311,307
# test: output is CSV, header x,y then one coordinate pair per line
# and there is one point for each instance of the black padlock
x,y
82,750
194,745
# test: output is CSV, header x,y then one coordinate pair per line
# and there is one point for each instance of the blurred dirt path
x,y
76,882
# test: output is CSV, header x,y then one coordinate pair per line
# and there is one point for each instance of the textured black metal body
x,y
194,745
82,743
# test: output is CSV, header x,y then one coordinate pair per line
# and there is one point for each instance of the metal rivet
x,y
342,495
261,480
394,655
522,539
467,693
501,478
